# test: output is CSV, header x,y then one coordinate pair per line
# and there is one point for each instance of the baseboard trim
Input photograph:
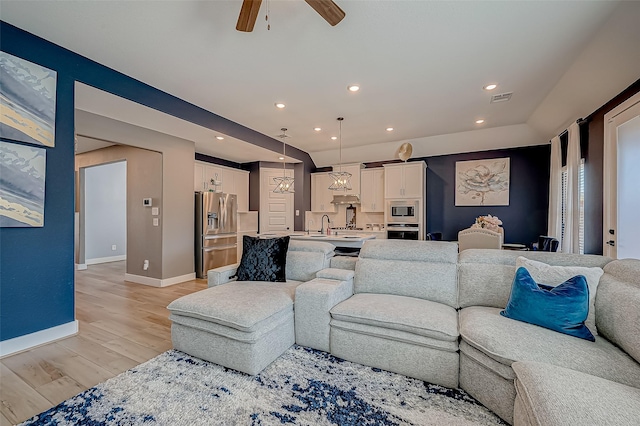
x,y
39,338
81,266
157,282
108,259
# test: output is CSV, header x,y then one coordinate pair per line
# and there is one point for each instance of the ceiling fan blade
x,y
330,11
248,15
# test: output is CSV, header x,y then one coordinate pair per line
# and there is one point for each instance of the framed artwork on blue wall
x,y
482,182
22,178
27,101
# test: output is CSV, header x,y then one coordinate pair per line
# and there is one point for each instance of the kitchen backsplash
x,y
339,218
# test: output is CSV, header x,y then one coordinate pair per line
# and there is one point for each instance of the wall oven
x,y
402,212
408,231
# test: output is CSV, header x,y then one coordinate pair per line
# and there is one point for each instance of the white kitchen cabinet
x,y
372,190
242,190
215,173
355,170
406,180
321,195
233,181
198,177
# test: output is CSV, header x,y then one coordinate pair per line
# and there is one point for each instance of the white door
x,y
276,210
621,176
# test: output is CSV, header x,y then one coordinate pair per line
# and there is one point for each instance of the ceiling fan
x,y
330,11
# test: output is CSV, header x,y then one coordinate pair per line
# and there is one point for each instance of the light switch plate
x,y
155,221
154,211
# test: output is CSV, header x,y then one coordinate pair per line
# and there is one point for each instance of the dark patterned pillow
x,y
263,259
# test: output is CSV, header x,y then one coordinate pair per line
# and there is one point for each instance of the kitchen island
x,y
340,240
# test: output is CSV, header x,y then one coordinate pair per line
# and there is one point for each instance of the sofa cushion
x,y
618,305
263,259
421,269
407,314
553,275
305,258
562,308
412,251
505,341
554,396
242,305
485,276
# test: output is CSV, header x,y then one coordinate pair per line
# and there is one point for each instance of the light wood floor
x,y
121,325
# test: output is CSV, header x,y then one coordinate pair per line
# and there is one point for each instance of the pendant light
x,y
341,180
284,184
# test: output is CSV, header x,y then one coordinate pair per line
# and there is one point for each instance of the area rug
x,y
302,387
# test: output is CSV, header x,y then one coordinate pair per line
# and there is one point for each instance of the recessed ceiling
x,y
422,64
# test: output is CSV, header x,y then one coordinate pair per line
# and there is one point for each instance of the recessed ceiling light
x,y
219,138
389,129
280,158
353,88
490,86
317,129
333,138
479,121
279,105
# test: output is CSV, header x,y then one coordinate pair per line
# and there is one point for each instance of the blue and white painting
x,y
22,173
27,101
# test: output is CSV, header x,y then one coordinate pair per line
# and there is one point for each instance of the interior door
x,y
621,176
276,210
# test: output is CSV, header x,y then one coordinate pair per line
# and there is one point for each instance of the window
x,y
580,203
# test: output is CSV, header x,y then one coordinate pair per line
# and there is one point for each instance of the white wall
x,y
105,211
628,199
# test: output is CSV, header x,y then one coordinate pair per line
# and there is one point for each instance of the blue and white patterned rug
x,y
302,387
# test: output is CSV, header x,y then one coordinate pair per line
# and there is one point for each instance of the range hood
x,y
346,199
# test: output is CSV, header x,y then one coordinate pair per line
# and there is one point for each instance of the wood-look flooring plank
x,y
82,370
33,369
19,401
60,390
4,421
112,361
131,349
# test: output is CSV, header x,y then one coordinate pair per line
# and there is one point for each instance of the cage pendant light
x,y
341,181
284,184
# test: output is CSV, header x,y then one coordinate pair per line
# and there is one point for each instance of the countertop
x,y
340,240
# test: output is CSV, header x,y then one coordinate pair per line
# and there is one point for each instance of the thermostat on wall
x,y
146,202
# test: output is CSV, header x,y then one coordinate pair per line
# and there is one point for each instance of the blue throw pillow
x,y
563,308
263,259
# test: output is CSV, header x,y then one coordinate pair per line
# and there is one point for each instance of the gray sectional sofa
x,y
423,310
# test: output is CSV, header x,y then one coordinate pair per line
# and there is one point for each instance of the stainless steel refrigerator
x,y
215,238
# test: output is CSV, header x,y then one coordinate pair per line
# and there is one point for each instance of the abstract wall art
x,y
482,182
22,177
27,101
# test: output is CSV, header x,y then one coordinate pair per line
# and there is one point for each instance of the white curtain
x,y
555,191
571,240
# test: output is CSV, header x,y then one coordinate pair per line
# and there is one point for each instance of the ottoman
x,y
243,325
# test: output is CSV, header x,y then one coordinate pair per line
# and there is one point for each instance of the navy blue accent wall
x,y
36,264
218,161
524,219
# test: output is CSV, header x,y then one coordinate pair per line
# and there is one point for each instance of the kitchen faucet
x,y
322,223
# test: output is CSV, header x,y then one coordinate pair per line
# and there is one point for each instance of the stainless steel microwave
x,y
402,211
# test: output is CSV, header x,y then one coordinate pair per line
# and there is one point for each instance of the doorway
x,y
276,209
621,177
103,213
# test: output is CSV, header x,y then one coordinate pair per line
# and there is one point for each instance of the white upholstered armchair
x,y
479,238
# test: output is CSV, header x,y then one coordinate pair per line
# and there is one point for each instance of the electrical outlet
x,y
113,247
155,221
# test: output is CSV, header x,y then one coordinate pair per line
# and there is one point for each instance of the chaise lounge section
x,y
245,325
